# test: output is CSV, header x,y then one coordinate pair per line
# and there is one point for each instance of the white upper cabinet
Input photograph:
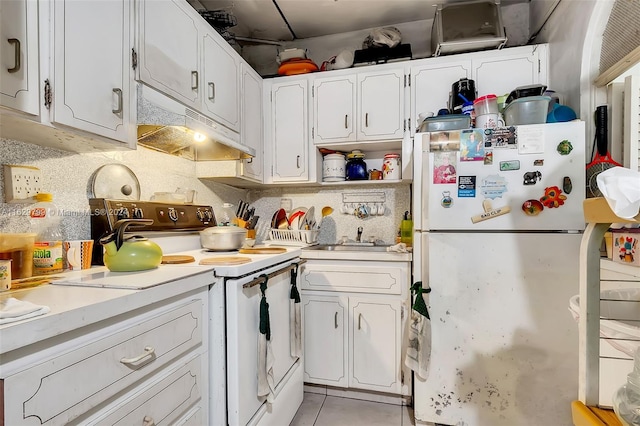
x,y
381,105
19,85
335,109
499,72
221,71
252,117
431,83
359,107
290,131
169,49
91,67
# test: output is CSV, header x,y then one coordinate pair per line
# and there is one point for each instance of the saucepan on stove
x,y
223,238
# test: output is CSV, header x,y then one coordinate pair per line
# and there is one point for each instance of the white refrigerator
x,y
498,226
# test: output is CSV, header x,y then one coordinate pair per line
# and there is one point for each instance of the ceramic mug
x,y
489,121
78,254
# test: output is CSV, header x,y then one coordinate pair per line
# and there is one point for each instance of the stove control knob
x,y
200,215
173,214
122,213
137,213
208,215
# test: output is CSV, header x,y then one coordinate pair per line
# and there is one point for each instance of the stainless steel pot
x,y
223,238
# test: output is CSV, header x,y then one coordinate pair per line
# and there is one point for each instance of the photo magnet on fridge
x,y
444,167
472,145
444,141
501,138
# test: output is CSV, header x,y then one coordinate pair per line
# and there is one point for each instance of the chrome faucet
x,y
359,236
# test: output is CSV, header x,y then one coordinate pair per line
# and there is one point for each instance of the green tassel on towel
x,y
265,326
419,305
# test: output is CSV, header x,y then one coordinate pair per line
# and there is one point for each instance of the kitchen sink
x,y
349,247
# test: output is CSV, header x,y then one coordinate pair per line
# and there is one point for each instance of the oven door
x,y
243,319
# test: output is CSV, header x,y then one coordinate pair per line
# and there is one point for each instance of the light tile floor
x,y
325,410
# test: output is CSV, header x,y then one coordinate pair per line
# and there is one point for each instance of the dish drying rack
x,y
293,237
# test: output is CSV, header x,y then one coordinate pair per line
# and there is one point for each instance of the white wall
x,y
418,33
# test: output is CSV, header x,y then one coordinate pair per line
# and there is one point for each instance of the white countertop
x,y
72,307
380,256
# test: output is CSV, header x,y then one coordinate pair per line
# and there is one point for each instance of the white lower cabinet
x,y
354,339
147,367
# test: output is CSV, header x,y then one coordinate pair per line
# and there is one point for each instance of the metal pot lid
x,y
114,182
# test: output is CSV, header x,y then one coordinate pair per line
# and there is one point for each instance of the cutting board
x,y
225,260
176,259
262,250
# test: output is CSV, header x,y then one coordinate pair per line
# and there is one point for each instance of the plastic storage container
x,y
529,110
486,105
19,249
45,220
446,122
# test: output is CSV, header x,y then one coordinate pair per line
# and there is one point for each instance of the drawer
x,y
166,401
356,276
60,389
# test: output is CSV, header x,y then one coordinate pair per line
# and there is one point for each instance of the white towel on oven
x,y
12,309
295,329
419,349
265,368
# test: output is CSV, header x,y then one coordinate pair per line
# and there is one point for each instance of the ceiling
x,y
287,20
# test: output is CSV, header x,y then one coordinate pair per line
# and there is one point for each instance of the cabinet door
x,y
325,339
290,131
374,355
91,67
221,72
381,105
431,84
169,49
251,134
499,72
334,109
19,85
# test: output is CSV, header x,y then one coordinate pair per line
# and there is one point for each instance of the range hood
x,y
166,125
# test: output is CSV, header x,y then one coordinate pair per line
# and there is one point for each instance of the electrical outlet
x,y
21,183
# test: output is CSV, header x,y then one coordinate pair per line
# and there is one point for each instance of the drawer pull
x,y
16,61
118,110
335,320
346,116
194,80
148,351
359,321
148,421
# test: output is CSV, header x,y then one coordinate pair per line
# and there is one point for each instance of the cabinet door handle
x,y
297,161
148,351
118,110
335,320
366,120
148,421
359,321
212,90
16,48
194,80
346,116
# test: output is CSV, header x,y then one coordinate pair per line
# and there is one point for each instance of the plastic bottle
x,y
45,221
406,230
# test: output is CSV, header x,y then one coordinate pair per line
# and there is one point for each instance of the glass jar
x,y
356,167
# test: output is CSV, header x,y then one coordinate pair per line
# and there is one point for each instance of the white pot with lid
x,y
333,168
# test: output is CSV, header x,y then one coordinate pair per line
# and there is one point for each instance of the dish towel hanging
x,y
419,350
265,353
295,326
12,309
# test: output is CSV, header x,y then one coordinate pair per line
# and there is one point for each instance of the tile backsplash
x,y
67,176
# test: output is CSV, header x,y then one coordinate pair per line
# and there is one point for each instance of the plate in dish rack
x,y
309,218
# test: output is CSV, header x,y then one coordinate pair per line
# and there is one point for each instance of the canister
x,y
391,168
5,275
333,168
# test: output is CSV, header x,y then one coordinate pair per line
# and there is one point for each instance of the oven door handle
x,y
260,280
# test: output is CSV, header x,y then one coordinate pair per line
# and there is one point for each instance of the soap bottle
x,y
406,230
45,221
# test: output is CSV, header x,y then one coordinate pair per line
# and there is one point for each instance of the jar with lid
x,y
391,168
227,218
356,168
333,168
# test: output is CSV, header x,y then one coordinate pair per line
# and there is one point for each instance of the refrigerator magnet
x,y
472,145
490,212
531,178
532,207
539,162
506,166
567,186
466,187
444,141
531,139
488,158
564,147
444,167
553,197
493,186
501,138
446,201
